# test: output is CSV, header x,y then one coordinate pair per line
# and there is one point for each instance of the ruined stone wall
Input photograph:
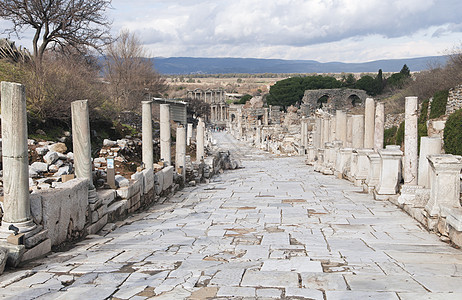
x,y
454,100
393,120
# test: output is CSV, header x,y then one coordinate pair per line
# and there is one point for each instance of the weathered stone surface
x,y
121,181
58,147
64,209
39,167
51,157
167,177
3,258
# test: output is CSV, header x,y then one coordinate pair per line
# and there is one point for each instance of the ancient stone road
x,y
274,229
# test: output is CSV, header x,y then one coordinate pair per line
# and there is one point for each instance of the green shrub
x,y
389,136
423,112
400,134
453,133
439,102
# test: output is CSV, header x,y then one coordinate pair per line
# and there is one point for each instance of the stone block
x,y
39,167
107,196
148,176
15,252
117,209
64,208
94,228
121,181
34,240
38,251
168,177
3,258
36,207
159,182
128,191
58,147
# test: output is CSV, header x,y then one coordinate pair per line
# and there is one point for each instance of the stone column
x,y
317,133
148,155
349,137
445,183
379,126
410,142
258,136
325,131
180,153
16,202
165,142
428,146
369,123
189,134
390,163
341,126
82,144
200,140
357,129
265,116
332,129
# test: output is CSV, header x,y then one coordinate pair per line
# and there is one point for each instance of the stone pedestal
x,y
351,175
362,170
390,164
310,155
428,146
343,161
379,126
318,166
165,135
82,145
410,142
200,141
369,123
373,176
445,183
16,201
357,128
180,153
148,154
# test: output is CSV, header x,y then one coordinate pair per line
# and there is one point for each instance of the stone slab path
x,y
274,229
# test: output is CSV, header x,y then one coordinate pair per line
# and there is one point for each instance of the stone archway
x,y
337,99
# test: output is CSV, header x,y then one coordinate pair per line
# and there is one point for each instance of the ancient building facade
x,y
331,100
216,99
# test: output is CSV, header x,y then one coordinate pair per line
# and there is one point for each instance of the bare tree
x,y
130,73
64,23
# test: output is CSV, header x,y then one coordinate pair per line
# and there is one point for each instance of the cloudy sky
x,y
323,30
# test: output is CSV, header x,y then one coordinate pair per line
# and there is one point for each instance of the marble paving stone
x,y
304,293
344,295
269,279
383,283
230,291
323,281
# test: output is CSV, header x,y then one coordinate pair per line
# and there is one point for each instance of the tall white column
x,y
180,153
369,123
165,135
200,140
357,129
349,137
379,126
16,202
410,142
148,156
81,140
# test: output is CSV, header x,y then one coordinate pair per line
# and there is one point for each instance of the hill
x,y
193,65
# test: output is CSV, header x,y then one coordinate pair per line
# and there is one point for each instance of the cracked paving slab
x,y
271,230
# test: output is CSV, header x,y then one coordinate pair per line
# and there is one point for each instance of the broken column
x,y
200,140
428,146
317,133
148,155
410,142
180,153
357,131
349,133
369,123
265,116
165,151
16,201
325,130
379,126
82,145
189,134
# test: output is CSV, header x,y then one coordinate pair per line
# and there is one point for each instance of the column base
x,y
29,228
92,196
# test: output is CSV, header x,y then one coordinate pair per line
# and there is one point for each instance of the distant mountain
x,y
192,65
